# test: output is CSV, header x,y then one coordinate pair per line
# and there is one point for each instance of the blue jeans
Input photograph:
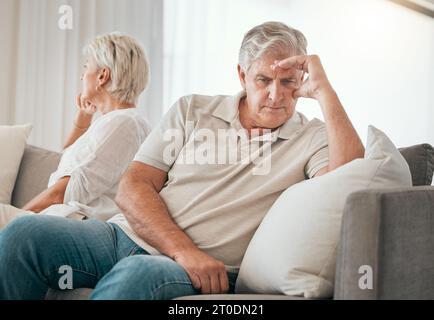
x,y
101,256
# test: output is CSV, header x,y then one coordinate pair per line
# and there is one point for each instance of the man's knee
x,y
150,268
145,277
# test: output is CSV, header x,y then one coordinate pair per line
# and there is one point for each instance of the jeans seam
x,y
115,240
132,251
56,271
85,272
169,283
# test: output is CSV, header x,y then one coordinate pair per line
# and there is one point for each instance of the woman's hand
x,y
85,105
85,113
82,121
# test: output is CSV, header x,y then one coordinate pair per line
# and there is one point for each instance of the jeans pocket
x,y
137,250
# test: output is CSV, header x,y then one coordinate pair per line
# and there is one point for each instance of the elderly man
x,y
192,202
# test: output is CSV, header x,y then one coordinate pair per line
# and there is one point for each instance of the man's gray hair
x,y
127,61
270,37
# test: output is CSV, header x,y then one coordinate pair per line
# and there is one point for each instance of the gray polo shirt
x,y
221,183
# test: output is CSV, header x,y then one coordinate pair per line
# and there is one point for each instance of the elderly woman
x,y
96,155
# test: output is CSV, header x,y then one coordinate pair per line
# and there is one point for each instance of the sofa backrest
x,y
36,166
420,159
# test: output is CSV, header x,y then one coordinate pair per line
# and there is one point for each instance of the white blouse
x,y
96,163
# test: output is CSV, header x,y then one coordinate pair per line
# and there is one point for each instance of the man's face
x,y
270,101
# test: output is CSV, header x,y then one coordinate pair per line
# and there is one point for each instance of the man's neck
x,y
248,123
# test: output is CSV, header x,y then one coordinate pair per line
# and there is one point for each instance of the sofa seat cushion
x,y
240,297
76,294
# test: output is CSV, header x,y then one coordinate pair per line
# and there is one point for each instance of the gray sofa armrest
x,y
392,231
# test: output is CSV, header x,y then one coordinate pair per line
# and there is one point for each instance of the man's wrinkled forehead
x,y
262,66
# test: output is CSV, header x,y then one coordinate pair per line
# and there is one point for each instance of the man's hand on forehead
x,y
286,73
277,73
294,62
316,83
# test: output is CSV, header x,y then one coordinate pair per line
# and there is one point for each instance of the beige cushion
x,y
293,251
12,143
36,166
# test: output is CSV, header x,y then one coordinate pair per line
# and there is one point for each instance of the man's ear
x,y
242,76
103,76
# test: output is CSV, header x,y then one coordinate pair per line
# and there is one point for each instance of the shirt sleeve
x,y
319,151
166,140
111,150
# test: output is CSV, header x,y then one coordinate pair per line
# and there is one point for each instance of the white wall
x,y
378,55
8,26
41,63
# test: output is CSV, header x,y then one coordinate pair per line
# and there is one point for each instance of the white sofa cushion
x,y
12,143
293,252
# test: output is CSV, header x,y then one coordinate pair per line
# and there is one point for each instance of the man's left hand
x,y
316,84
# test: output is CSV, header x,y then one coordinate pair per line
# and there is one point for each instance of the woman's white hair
x,y
127,61
270,37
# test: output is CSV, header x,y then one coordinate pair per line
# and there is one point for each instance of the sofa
x,y
389,229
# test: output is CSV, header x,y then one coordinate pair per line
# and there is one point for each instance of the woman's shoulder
x,y
131,119
136,115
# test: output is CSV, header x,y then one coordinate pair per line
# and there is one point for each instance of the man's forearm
x,y
150,219
139,199
344,143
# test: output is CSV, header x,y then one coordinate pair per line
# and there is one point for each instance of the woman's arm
x,y
50,196
114,145
82,121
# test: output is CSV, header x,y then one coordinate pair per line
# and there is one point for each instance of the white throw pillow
x,y
293,252
12,143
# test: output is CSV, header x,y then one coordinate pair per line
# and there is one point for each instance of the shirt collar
x,y
292,125
227,110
